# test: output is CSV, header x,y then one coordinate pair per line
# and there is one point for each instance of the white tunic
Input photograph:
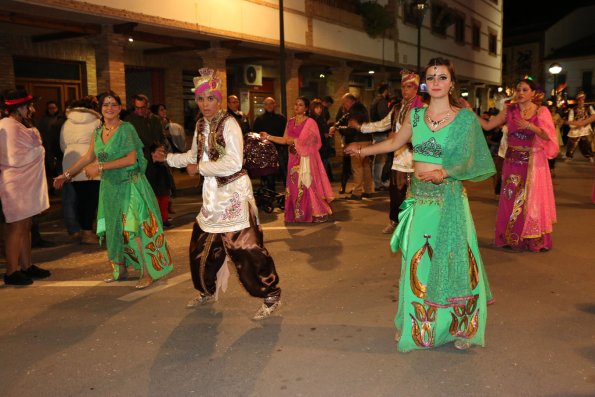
x,y
577,132
403,158
224,208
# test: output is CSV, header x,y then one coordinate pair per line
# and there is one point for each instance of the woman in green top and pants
x,y
444,292
128,216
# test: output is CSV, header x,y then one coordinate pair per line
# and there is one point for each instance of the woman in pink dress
x,y
526,210
23,186
308,192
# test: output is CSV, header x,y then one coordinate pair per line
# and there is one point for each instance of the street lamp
x,y
419,8
555,69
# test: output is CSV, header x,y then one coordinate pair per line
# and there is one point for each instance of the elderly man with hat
x,y
227,226
580,135
23,185
403,158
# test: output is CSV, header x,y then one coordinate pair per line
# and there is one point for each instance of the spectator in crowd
x,y
360,165
378,111
273,124
327,150
233,108
150,131
82,119
49,127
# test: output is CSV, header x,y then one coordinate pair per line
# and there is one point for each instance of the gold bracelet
x,y
359,151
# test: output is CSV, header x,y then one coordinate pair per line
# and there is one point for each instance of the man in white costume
x,y
227,226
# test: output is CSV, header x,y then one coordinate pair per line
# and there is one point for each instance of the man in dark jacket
x,y
233,108
150,131
273,124
360,166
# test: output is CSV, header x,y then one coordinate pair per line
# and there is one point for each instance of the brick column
x,y
292,84
109,54
7,78
174,91
339,86
216,58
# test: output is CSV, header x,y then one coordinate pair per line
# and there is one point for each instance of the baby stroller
x,y
261,159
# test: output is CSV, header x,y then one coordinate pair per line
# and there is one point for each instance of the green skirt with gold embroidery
x,y
424,323
129,220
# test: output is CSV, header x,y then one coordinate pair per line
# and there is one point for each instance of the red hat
x,y
16,98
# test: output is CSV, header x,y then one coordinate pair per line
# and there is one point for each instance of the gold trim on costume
x,y
417,287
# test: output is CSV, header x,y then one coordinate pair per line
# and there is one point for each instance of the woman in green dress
x,y
128,216
443,289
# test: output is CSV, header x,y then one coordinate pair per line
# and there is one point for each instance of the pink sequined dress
x,y
308,191
527,210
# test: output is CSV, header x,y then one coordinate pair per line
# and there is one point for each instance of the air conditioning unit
x,y
252,74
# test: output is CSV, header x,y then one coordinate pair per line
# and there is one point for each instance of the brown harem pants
x,y
255,266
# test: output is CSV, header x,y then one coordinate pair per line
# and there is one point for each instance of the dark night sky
x,y
528,15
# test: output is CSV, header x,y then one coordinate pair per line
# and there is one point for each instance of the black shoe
x,y
366,195
41,244
342,191
167,225
35,271
17,278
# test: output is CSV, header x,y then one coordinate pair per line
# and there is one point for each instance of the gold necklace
x,y
434,125
109,130
525,112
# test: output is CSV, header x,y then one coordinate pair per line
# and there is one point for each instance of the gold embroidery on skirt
x,y
519,200
465,319
423,335
417,287
473,270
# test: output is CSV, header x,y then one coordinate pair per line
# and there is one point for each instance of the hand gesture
x,y
263,136
159,155
435,176
192,169
353,149
92,170
59,181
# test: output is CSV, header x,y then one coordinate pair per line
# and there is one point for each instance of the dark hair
x,y
306,102
529,82
358,112
383,87
315,104
155,108
88,102
328,99
109,93
141,97
439,61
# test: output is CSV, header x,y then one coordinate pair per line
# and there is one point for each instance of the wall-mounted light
x,y
371,72
500,89
322,75
130,39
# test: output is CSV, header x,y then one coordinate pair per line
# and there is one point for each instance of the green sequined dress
x,y
128,208
443,289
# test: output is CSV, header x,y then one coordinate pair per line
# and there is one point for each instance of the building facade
x,y
63,49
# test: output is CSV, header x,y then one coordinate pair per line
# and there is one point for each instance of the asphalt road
x,y
74,335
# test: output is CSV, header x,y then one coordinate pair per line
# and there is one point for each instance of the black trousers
x,y
255,266
87,194
397,190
